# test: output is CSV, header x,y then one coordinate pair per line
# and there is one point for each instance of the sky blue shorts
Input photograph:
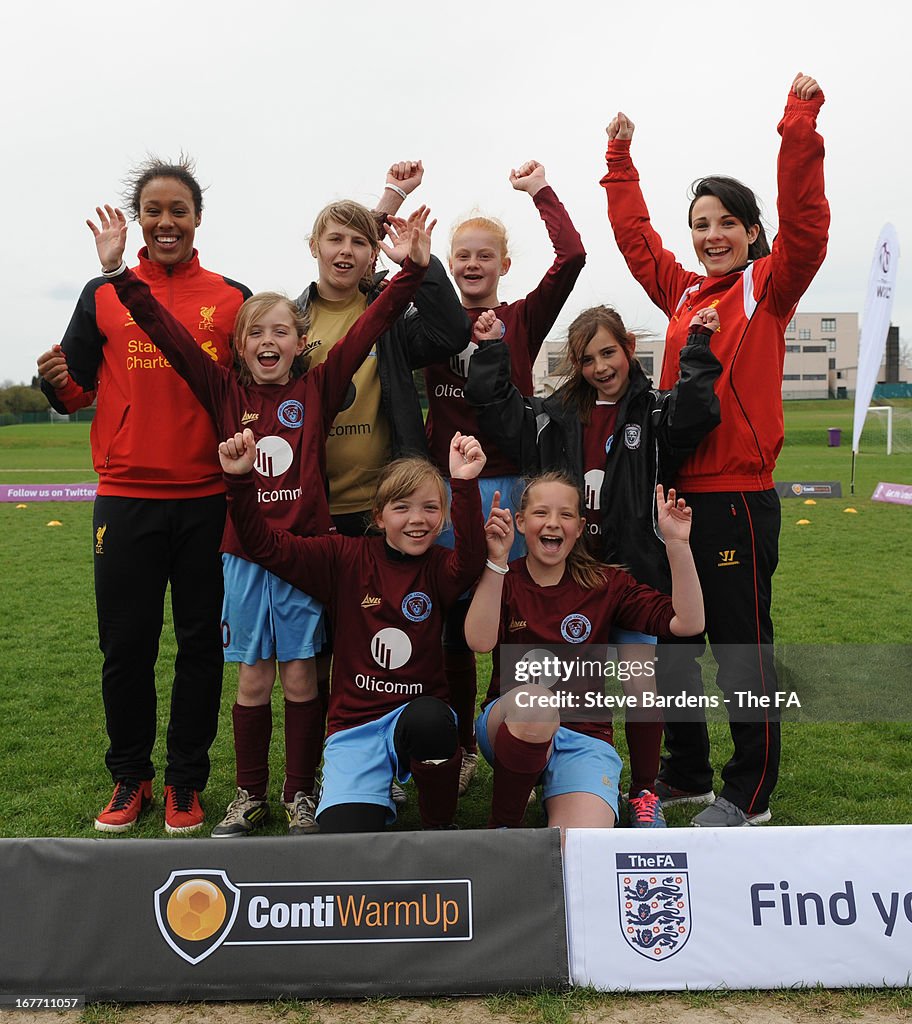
x,y
265,617
359,764
629,636
578,763
511,488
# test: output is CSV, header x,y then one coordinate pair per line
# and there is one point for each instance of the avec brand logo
x,y
199,910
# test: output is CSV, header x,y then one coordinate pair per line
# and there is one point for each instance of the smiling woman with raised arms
x,y
729,479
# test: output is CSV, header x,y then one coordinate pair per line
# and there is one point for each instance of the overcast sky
x,y
288,105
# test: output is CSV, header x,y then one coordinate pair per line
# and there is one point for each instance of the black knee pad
x,y
426,731
341,818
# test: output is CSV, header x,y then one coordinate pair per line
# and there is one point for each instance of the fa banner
x,y
739,908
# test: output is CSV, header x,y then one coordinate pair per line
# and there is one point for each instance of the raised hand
x,y
529,177
52,367
406,174
238,454
675,515
420,236
804,87
467,458
707,317
411,237
488,327
110,237
499,532
620,127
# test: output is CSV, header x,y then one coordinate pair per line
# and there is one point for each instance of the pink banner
x,y
48,492
897,494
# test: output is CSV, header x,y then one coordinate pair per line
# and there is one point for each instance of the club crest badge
x,y
195,911
291,413
576,628
654,902
632,435
416,606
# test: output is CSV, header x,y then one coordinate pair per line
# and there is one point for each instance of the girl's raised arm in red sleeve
x,y
464,564
308,563
542,306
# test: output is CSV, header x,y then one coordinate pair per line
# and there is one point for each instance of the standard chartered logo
x,y
391,648
273,457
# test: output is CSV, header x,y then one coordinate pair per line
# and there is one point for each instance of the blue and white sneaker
x,y
646,811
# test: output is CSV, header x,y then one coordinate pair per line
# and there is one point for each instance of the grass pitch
x,y
843,579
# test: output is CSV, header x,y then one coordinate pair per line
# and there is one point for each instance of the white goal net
x,y
887,429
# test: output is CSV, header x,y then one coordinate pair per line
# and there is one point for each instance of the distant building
x,y
821,356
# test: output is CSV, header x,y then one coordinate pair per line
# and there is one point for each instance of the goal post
x,y
888,409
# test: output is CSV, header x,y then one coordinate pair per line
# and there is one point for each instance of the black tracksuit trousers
x,y
735,543
140,545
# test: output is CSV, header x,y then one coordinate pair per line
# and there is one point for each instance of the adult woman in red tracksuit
x,y
158,518
728,481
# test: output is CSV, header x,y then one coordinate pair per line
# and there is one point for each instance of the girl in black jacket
x,y
617,437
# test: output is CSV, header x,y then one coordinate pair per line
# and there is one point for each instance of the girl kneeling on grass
x,y
388,716
560,594
265,622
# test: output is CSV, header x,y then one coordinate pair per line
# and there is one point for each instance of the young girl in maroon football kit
x,y
479,258
612,433
265,621
388,716
559,594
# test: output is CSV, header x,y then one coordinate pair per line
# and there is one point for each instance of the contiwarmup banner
x,y
397,913
740,908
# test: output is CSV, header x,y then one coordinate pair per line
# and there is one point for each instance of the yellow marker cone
x,y
803,522
55,522
21,506
854,511
810,501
